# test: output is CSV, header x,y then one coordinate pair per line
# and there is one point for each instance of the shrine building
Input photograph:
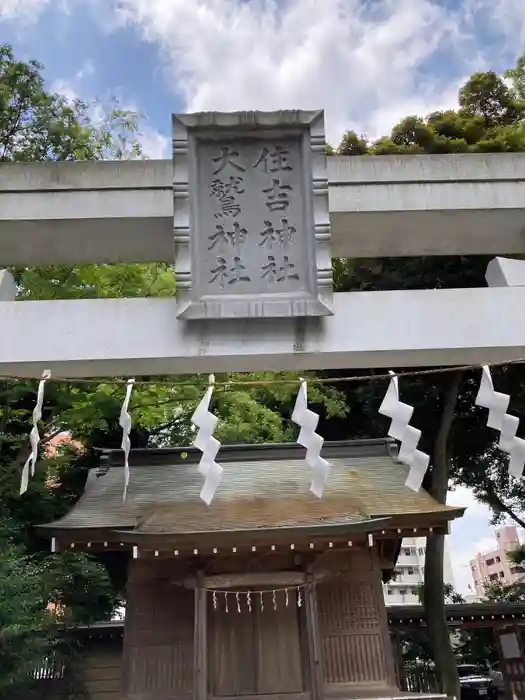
x,y
269,592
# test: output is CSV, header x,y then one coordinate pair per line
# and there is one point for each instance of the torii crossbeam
x,y
107,337
380,207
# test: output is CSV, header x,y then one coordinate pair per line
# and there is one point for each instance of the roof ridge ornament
x,y
307,420
206,422
408,436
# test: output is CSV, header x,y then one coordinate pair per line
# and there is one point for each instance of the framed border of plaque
x,y
251,220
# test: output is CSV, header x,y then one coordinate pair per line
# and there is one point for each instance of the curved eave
x,y
78,534
247,536
444,514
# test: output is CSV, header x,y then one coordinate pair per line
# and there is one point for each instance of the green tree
x,y
450,594
489,118
497,592
517,557
42,602
36,125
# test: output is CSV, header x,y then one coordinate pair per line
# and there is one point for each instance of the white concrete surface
x,y
381,206
505,272
7,286
104,337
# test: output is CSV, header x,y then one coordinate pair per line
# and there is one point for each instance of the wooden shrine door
x,y
255,652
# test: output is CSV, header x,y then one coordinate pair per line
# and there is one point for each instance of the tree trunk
x,y
434,588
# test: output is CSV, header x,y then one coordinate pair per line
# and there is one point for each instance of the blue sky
x,y
367,62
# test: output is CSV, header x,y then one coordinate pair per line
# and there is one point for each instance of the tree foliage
x,y
36,125
43,601
489,119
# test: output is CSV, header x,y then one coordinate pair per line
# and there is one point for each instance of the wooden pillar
x,y
200,687
313,639
395,638
158,645
382,614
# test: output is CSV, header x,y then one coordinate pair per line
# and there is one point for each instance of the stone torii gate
x,y
250,213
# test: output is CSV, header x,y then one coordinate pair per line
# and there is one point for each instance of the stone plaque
x,y
251,222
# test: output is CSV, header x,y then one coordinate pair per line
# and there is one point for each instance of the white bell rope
x,y
408,436
206,422
125,424
498,419
34,436
307,420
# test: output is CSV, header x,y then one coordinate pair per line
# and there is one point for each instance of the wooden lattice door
x,y
354,642
255,652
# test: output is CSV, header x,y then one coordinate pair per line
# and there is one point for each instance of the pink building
x,y
489,567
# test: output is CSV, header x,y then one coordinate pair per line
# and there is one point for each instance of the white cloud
x,y
29,11
506,16
154,144
87,70
470,534
66,88
22,9
366,63
485,544
360,61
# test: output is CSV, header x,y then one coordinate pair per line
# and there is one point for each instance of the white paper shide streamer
x,y
34,437
307,420
408,436
206,422
498,419
125,424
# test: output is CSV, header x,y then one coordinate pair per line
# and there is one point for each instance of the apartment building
x,y
410,571
494,566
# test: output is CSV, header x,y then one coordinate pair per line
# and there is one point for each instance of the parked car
x,y
476,683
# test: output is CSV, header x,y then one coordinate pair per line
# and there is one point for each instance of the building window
x,y
406,551
493,577
421,551
501,574
516,570
410,571
389,591
490,562
498,559
402,591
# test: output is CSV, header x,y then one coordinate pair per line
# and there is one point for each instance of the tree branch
x,y
495,502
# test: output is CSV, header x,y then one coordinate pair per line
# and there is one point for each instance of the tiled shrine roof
x,y
264,487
